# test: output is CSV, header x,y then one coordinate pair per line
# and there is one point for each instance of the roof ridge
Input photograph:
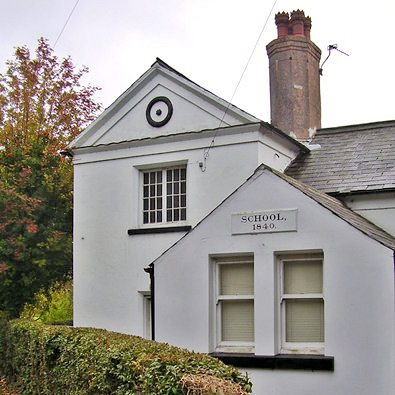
x,y
357,127
167,66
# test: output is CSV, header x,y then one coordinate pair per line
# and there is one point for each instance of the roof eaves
x,y
302,147
166,136
352,192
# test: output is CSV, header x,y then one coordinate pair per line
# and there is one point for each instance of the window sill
x,y
162,229
281,361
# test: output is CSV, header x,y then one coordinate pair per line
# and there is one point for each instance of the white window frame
x,y
229,346
164,222
316,348
147,316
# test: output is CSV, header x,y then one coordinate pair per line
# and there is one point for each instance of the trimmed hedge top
x,y
44,359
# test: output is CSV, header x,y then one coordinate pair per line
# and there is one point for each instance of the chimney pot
x,y
282,22
307,27
297,22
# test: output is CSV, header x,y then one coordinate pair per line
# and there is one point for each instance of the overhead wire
x,y
65,24
206,152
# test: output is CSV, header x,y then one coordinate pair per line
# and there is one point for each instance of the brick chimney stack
x,y
294,77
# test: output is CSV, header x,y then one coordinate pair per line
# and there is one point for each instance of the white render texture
x,y
358,291
108,263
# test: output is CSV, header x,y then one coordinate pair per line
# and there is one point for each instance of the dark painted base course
x,y
164,229
299,362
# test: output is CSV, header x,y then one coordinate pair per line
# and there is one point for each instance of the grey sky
x,y
210,42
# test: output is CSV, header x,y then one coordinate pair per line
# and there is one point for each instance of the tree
x,y
43,106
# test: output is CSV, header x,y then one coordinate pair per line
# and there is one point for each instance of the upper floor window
x,y
301,303
164,195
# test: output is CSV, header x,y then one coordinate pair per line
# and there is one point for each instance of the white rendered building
x,y
269,246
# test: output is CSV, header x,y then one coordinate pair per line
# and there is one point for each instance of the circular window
x,y
159,111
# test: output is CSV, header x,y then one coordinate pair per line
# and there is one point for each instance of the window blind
x,y
304,320
238,320
237,279
301,277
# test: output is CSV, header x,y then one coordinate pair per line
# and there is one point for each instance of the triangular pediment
x,y
161,102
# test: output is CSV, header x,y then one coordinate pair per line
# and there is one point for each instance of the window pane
x,y
183,214
238,320
304,320
237,279
302,277
158,184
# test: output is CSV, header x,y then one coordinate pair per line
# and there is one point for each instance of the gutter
x,y
151,271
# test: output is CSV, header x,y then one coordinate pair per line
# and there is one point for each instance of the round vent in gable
x,y
159,111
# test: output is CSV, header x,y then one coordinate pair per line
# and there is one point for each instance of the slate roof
x,y
356,158
339,209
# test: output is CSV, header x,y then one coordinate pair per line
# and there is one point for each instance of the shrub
x,y
44,359
54,307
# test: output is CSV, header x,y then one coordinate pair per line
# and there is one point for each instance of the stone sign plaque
x,y
264,221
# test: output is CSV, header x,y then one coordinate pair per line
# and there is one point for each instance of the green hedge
x,y
44,359
54,307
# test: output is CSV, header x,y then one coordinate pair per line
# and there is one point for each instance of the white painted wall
x,y
108,263
378,208
358,292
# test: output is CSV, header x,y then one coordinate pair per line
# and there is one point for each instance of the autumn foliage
x,y
43,106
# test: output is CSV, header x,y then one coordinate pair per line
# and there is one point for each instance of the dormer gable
x,y
161,102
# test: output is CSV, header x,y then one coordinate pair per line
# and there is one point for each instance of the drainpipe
x,y
150,270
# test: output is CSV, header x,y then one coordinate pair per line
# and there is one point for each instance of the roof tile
x,y
351,158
